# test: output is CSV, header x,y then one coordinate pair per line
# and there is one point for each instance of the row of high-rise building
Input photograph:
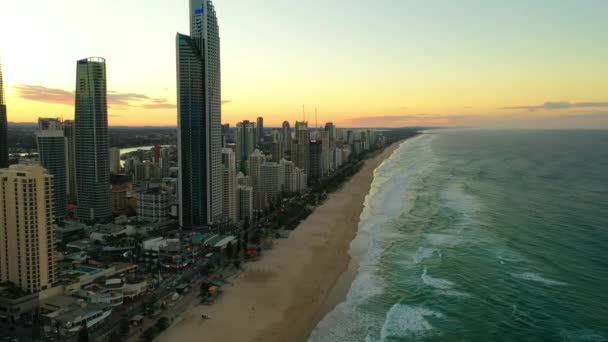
x,y
73,167
219,179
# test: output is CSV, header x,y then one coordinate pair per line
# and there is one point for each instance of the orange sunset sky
x,y
385,63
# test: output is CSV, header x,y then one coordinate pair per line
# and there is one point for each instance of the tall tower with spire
x,y
3,127
199,111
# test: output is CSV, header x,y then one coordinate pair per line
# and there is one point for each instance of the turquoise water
x,y
89,270
483,236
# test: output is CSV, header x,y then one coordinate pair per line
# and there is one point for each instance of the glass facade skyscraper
x,y
199,118
52,154
92,158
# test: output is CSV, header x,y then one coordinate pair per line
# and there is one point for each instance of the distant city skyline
x,y
469,63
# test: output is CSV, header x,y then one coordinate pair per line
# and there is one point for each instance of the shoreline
x,y
283,296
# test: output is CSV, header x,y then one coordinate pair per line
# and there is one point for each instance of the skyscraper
x,y
115,160
259,127
301,149
256,159
286,131
92,158
27,241
69,131
3,127
316,161
245,142
199,118
230,191
52,153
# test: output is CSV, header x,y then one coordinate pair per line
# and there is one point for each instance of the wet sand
x,y
284,295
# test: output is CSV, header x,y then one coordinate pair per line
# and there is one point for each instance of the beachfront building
x,y
316,162
272,179
92,158
27,237
245,143
52,155
323,136
245,207
199,118
256,159
300,180
289,170
230,205
301,147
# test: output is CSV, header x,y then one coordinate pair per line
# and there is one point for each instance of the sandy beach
x,y
284,295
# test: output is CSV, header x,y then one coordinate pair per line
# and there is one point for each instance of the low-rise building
x,y
153,205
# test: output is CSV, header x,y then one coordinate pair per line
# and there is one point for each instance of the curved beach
x,y
284,295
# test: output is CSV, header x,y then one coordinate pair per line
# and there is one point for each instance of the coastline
x,y
283,296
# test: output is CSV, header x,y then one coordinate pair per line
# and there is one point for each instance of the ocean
x,y
483,236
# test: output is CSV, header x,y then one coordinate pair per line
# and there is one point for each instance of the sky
x,y
381,63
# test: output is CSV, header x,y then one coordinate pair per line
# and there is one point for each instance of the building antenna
x,y
316,119
303,113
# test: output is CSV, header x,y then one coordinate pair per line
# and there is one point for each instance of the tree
x,y
124,327
162,323
229,251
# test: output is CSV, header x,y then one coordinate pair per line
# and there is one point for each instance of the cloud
x,y
115,98
559,105
226,102
407,119
44,94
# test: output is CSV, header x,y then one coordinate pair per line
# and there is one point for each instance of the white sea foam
x,y
424,253
404,321
437,283
442,239
385,202
538,278
452,293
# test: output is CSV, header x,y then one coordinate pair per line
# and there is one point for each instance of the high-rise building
x,y
272,179
230,205
153,205
245,143
225,134
256,159
302,147
286,131
69,131
276,146
316,161
323,136
289,176
259,131
27,237
52,154
165,158
199,110
114,160
330,128
92,159
3,126
245,194
301,180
